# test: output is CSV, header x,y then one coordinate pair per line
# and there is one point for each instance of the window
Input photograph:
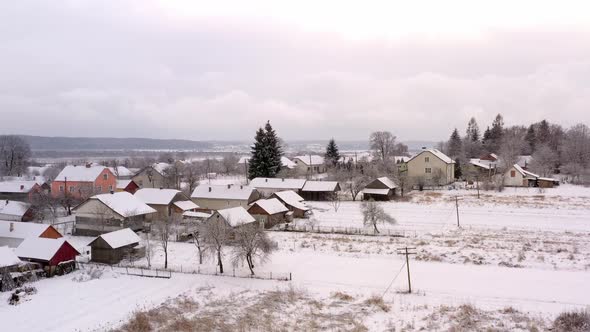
x,y
426,159
61,189
308,168
105,176
99,189
71,189
428,170
110,188
512,173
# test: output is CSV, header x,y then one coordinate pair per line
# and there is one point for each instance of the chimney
x,y
265,180
12,227
241,187
423,148
22,187
283,179
209,189
228,186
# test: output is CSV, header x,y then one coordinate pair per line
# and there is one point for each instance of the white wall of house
x,y
93,208
218,204
426,165
513,178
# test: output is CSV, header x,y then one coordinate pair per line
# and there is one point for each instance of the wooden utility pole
x,y
457,207
406,251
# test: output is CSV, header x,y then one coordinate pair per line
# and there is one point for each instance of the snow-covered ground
x,y
520,258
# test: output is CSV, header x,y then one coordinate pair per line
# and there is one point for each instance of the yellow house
x,y
433,166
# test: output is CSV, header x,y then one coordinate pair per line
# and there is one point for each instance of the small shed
x,y
320,190
269,211
127,185
380,189
111,248
15,211
47,252
293,202
234,217
547,182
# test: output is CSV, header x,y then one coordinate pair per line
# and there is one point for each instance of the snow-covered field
x,y
520,258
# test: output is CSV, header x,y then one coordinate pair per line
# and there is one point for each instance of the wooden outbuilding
x,y
111,248
320,190
269,211
380,189
47,252
293,202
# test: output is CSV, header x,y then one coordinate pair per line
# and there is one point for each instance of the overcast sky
x,y
190,69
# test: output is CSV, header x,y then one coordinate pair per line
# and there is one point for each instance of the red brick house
x,y
84,181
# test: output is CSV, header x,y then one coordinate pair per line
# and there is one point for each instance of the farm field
x,y
517,261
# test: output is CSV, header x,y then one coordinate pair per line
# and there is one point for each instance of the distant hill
x,y
40,143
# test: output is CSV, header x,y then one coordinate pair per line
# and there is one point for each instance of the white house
x,y
216,197
310,164
268,186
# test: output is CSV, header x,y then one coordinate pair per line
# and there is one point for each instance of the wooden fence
x,y
338,230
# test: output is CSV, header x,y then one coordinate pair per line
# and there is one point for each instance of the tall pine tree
x,y
266,154
332,155
455,145
531,139
472,132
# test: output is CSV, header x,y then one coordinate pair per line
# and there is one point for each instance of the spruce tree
x,y
273,150
458,171
472,132
531,138
455,144
258,165
266,154
332,155
543,132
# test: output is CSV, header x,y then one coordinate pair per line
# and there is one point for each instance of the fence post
x,y
271,274
234,271
127,270
141,269
290,276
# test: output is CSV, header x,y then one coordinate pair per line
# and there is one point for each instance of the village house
x,y
234,217
48,252
320,190
9,262
293,202
113,247
12,233
83,181
122,172
163,201
216,197
153,176
309,164
269,212
16,211
516,176
127,185
380,189
269,186
110,212
19,190
481,168
431,166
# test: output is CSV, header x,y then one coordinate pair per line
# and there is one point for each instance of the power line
x,y
396,275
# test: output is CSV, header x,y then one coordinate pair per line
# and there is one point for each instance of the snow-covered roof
x,y
285,162
39,248
437,153
387,182
21,230
14,208
548,179
320,186
156,196
277,183
161,167
292,198
485,164
400,159
372,191
120,238
124,204
233,192
122,184
186,205
271,206
80,173
525,173
17,186
315,159
236,216
523,161
8,257
121,171
196,214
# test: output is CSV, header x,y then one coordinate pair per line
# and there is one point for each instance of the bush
x,y
378,302
574,321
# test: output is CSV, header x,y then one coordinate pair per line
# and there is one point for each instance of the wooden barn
x,y
320,190
380,189
111,248
293,202
47,252
269,211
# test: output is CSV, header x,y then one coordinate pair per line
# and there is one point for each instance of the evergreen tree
x,y
332,155
455,144
531,138
495,135
543,133
266,154
458,171
472,130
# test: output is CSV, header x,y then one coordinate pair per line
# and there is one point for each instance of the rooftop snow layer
x,y
120,238
14,208
186,205
8,257
21,230
271,206
437,153
387,182
277,183
16,186
39,248
236,216
80,173
291,198
156,196
320,186
222,192
315,159
121,171
124,204
122,184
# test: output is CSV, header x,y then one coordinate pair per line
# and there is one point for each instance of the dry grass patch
x,y
342,296
377,301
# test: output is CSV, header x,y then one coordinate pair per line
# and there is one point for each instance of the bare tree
x,y
148,249
335,201
45,206
197,234
191,177
252,242
217,233
229,163
544,160
163,230
351,179
15,153
374,214
383,145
